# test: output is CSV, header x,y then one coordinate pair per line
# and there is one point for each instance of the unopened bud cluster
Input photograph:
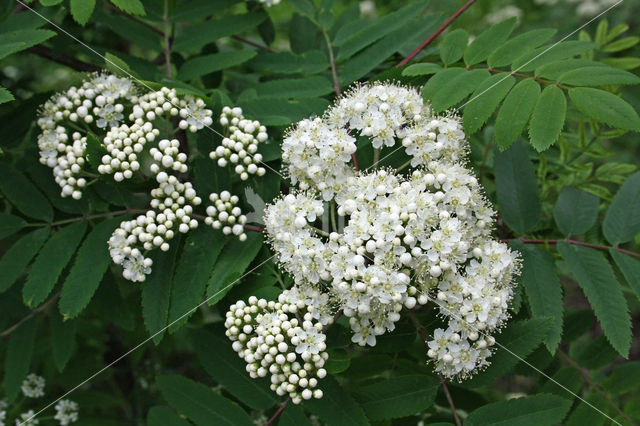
x,y
240,148
282,339
226,215
33,387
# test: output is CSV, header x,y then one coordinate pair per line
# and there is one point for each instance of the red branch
x,y
278,413
437,32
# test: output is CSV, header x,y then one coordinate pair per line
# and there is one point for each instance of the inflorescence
x,y
407,238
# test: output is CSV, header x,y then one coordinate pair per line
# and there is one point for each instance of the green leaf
x,y
23,194
548,117
5,96
457,89
519,45
63,340
156,292
554,70
605,107
194,37
622,220
623,63
50,262
595,353
17,360
536,410
485,100
575,211
520,339
625,378
81,10
568,377
379,28
311,62
18,40
336,407
622,44
439,79
207,64
374,55
543,288
10,224
397,396
87,271
598,76
595,276
166,416
282,112
304,7
235,259
485,44
517,189
630,268
133,7
425,68
201,249
515,112
453,46
227,368
16,259
295,88
199,403
547,54
585,414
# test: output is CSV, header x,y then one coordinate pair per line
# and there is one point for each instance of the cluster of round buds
x,y
123,144
272,340
240,147
33,386
168,156
96,104
226,215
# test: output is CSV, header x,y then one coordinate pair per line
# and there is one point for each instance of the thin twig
x,y
278,413
253,228
576,243
436,33
585,376
31,314
69,61
442,381
253,43
332,63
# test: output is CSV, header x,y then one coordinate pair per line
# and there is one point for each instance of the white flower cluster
x,y
27,419
98,102
272,339
270,3
66,412
226,215
240,147
407,238
33,386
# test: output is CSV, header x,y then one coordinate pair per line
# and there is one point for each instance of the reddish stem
x,y
577,243
278,413
253,228
437,32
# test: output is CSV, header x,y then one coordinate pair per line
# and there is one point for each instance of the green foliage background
x,y
553,137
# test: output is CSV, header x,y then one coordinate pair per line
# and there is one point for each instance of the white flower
x,y
27,419
33,386
66,412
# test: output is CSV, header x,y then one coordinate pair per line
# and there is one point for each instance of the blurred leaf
x,y
201,249
453,46
311,62
23,194
586,414
623,379
536,410
22,39
133,7
575,211
621,44
548,117
605,107
595,354
231,265
81,10
295,88
199,403
485,100
5,96
282,112
398,396
17,360
336,407
568,377
518,46
90,265
623,63
517,189
544,291
63,340
50,262
593,273
630,268
207,64
166,416
485,44
10,224
622,220
16,258
515,112
304,7
227,368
